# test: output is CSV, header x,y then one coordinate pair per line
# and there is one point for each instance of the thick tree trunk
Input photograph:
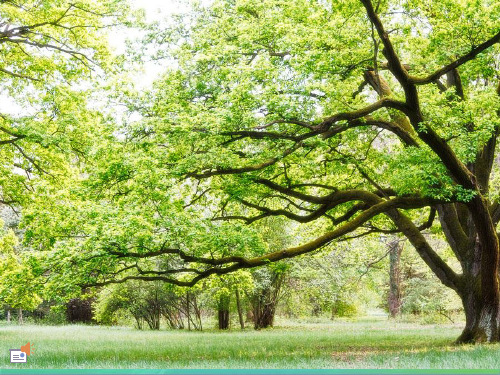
x,y
223,312
223,316
264,315
481,304
481,320
472,237
265,303
394,297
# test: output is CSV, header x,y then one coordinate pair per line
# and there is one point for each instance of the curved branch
x,y
232,263
292,193
440,268
250,168
460,61
403,135
354,115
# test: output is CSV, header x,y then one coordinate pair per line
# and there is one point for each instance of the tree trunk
x,y
223,316
482,313
394,297
265,302
8,315
472,237
197,311
188,313
20,316
240,311
481,320
264,314
223,312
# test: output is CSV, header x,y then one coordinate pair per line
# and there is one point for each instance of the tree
x,y
19,288
339,282
394,295
221,290
347,118
49,51
422,295
267,293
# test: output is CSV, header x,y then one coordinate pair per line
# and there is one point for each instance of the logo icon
x,y
21,355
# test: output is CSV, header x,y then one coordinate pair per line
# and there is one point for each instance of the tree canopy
x,y
50,51
344,119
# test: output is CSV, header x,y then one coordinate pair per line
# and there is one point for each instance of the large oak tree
x,y
347,118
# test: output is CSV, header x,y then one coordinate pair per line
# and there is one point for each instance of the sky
x,y
156,10
159,8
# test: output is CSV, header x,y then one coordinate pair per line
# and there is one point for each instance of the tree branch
x,y
460,61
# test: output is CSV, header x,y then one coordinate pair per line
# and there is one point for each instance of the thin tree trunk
x,y
197,312
394,297
20,316
240,311
187,312
8,316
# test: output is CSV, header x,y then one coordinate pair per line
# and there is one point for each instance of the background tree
x,y
49,50
19,288
394,296
266,294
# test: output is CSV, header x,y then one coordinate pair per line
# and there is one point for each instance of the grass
x,y
362,344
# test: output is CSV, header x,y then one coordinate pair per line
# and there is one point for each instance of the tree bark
x,y
481,320
482,313
266,301
8,315
20,316
264,314
240,311
394,297
223,312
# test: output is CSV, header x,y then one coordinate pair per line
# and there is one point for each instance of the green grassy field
x,y
364,344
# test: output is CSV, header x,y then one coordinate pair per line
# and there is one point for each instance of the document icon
x,y
17,356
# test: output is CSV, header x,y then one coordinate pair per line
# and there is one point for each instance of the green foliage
x,y
345,309
145,302
49,50
427,297
18,286
253,121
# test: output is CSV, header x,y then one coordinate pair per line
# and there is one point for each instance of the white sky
x,y
156,10
160,8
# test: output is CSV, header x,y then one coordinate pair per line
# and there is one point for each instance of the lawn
x,y
362,344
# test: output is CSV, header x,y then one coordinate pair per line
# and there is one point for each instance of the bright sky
x,y
160,8
156,10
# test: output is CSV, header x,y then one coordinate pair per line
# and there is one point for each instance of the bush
x,y
344,309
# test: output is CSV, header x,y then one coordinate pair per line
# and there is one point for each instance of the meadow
x,y
374,343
